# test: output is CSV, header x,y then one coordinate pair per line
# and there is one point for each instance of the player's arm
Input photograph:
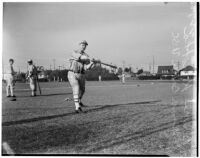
x,y
89,66
30,72
12,71
84,58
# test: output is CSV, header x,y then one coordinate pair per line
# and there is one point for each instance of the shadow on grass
x,y
139,134
45,95
56,94
72,113
74,137
41,139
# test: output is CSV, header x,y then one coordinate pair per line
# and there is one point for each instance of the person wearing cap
x,y
79,63
32,76
10,82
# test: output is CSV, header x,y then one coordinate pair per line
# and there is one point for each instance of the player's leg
x,y
82,89
8,90
32,86
82,86
8,86
75,89
12,88
35,86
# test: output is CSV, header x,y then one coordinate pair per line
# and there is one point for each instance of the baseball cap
x,y
84,42
11,60
29,61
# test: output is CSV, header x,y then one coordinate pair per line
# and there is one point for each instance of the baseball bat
x,y
98,61
112,66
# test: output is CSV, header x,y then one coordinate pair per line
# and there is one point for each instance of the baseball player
x,y
10,82
79,62
32,76
123,77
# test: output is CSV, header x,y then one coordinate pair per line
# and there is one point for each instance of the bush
x,y
148,77
166,77
43,80
93,74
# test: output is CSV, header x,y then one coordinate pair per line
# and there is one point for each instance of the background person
x,y
10,81
32,76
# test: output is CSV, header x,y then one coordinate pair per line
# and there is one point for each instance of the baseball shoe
x,y
14,96
8,96
82,105
79,110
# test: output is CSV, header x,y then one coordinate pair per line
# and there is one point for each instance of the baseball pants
x,y
10,85
77,82
33,85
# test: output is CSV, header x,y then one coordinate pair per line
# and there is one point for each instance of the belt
x,y
79,72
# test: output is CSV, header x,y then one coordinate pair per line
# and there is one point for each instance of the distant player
x,y
10,82
99,78
79,62
123,78
32,76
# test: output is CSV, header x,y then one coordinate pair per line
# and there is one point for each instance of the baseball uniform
x,y
32,74
76,75
9,77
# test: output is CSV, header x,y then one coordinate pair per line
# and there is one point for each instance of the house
x,y
166,71
188,72
127,74
42,75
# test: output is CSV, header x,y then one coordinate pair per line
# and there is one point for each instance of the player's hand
x,y
95,61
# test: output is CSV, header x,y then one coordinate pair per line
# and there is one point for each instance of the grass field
x,y
138,117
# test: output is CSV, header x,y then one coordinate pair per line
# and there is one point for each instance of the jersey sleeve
x,y
75,55
30,70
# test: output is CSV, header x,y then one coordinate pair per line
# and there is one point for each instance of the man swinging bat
x,y
79,63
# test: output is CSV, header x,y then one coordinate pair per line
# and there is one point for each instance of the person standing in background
x,y
32,76
10,81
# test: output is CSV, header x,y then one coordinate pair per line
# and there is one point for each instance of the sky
x,y
130,33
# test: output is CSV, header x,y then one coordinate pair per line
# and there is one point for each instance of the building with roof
x,y
189,72
166,70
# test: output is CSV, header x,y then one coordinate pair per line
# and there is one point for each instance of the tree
x,y
140,71
127,69
94,73
40,69
119,72
21,77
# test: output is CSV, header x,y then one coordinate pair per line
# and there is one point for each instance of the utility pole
x,y
50,66
54,63
153,64
3,69
59,67
150,68
123,65
178,65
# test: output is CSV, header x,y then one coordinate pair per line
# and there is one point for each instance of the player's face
x,y
11,62
83,46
